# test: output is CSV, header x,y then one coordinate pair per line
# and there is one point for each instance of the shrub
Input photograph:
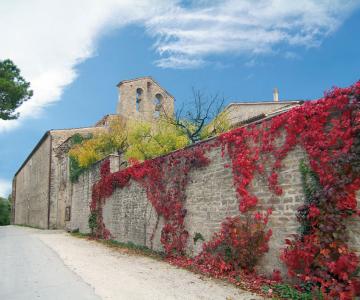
x,y
286,291
5,210
240,244
86,151
92,221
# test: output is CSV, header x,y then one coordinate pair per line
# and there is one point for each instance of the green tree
x,y
14,90
5,210
148,140
85,152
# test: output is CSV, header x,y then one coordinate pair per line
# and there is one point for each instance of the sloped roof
x,y
240,112
273,103
43,138
108,117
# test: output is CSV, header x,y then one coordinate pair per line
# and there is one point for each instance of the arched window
x,y
158,102
139,94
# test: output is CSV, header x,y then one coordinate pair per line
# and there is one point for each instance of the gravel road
x,y
112,274
31,270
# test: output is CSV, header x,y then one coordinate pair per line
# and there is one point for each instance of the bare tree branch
x,y
199,112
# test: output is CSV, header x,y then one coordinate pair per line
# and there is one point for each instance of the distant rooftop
x,y
281,103
240,113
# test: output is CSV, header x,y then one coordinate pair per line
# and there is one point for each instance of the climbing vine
x,y
328,130
164,180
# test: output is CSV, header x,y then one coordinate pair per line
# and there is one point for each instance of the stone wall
x,y
79,201
41,187
210,199
78,195
131,218
32,188
60,185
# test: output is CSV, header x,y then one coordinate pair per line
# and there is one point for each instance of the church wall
x,y
60,185
32,188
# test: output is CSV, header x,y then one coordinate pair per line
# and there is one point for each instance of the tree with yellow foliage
x,y
87,151
148,140
140,140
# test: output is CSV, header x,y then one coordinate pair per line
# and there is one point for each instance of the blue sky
x,y
75,54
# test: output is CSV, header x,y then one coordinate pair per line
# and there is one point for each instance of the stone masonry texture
x,y
210,199
40,184
32,189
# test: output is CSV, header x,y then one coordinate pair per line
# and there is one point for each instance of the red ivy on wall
x,y
327,130
164,180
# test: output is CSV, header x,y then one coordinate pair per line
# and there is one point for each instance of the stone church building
x,y
42,191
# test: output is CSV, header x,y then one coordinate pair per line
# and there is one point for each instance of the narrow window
x,y
139,93
158,102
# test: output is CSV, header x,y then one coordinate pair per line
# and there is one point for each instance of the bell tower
x,y
144,99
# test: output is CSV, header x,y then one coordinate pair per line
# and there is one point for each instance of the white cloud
x,y
48,39
5,188
244,27
180,62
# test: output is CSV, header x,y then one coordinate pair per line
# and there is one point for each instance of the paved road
x,y
31,270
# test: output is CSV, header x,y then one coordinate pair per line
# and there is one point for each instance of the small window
x,y
139,94
158,102
68,213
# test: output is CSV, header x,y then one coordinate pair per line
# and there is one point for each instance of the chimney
x,y
276,95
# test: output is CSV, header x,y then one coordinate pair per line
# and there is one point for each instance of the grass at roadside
x,y
29,226
129,247
80,235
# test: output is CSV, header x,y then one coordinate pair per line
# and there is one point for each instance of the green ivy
x,y
286,291
76,139
310,181
311,187
5,210
198,236
92,221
